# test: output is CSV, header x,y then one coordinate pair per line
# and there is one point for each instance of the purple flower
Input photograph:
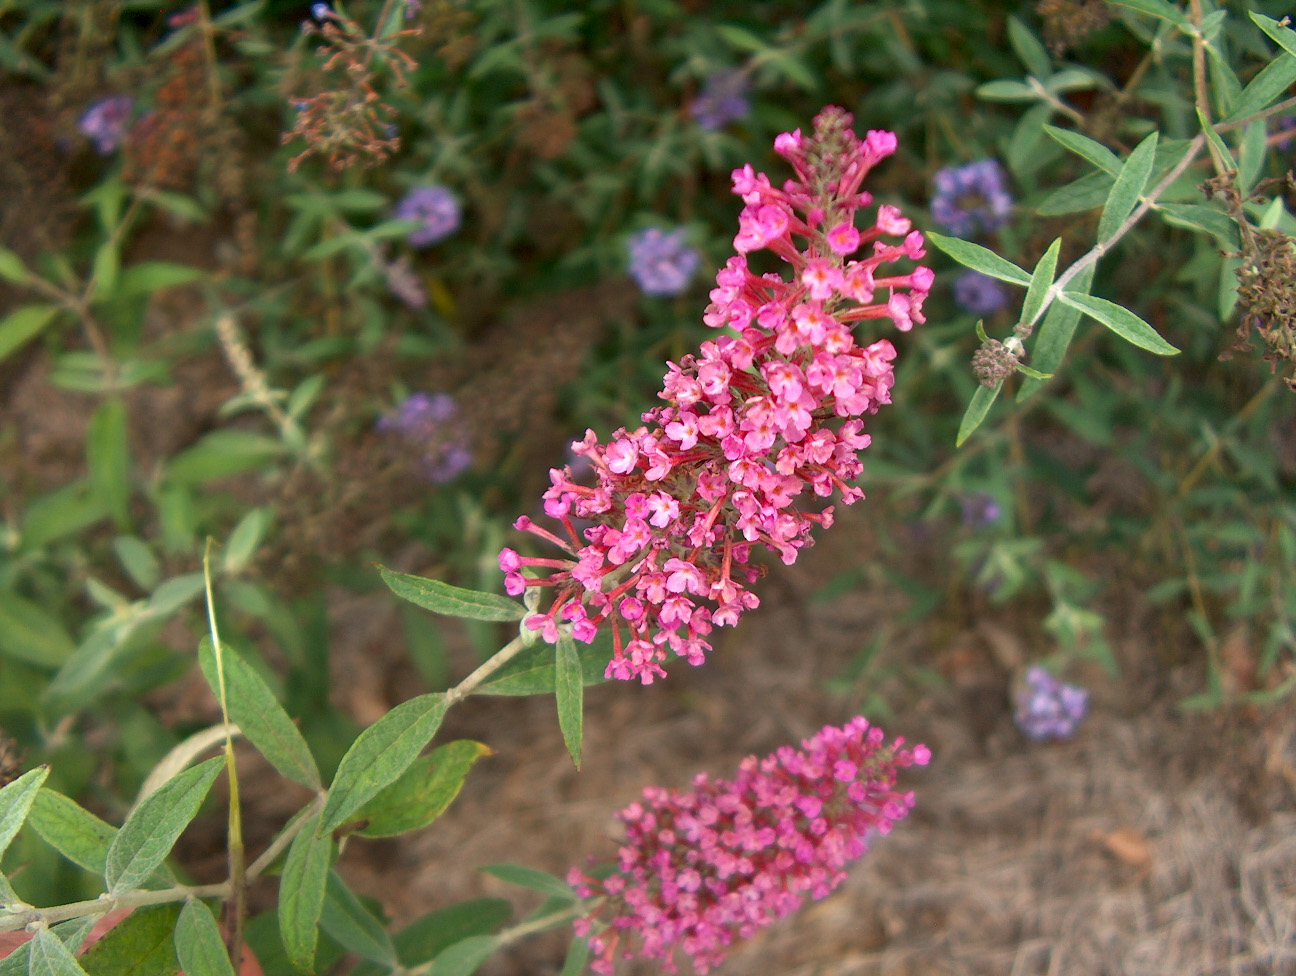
x,y
660,262
702,868
1047,708
971,196
980,509
435,209
105,122
430,424
979,293
723,99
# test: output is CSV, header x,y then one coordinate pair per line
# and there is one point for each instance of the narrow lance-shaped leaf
x,y
380,754
1083,146
453,601
254,708
1219,149
423,792
74,832
1281,35
141,944
976,411
301,893
22,325
1122,321
1127,189
12,267
108,458
7,895
1054,335
1041,281
71,933
50,957
1265,88
352,926
569,692
16,800
152,828
465,958
532,878
979,258
198,942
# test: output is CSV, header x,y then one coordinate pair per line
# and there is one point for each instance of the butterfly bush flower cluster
x,y
1048,708
702,868
757,427
105,122
723,99
434,209
971,197
660,262
430,425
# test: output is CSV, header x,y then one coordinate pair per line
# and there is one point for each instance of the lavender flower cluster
x,y
971,197
660,262
1049,709
431,426
434,209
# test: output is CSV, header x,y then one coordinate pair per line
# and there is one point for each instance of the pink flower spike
x,y
703,867
843,239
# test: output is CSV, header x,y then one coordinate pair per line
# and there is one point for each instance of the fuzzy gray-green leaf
x,y
1122,321
15,802
453,601
1127,189
152,828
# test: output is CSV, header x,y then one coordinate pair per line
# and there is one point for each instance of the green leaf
x,y
450,600
1264,89
141,944
1219,149
976,411
741,38
1156,8
108,458
62,512
106,271
29,633
1087,193
1054,335
1030,51
979,258
12,267
1041,281
1120,320
423,792
220,453
149,277
198,943
174,594
577,957
1199,217
353,926
16,801
1252,154
24,324
569,690
380,754
426,938
1007,91
152,828
254,708
138,560
1083,146
465,958
71,933
1281,35
1127,189
7,895
50,957
74,832
301,893
540,881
